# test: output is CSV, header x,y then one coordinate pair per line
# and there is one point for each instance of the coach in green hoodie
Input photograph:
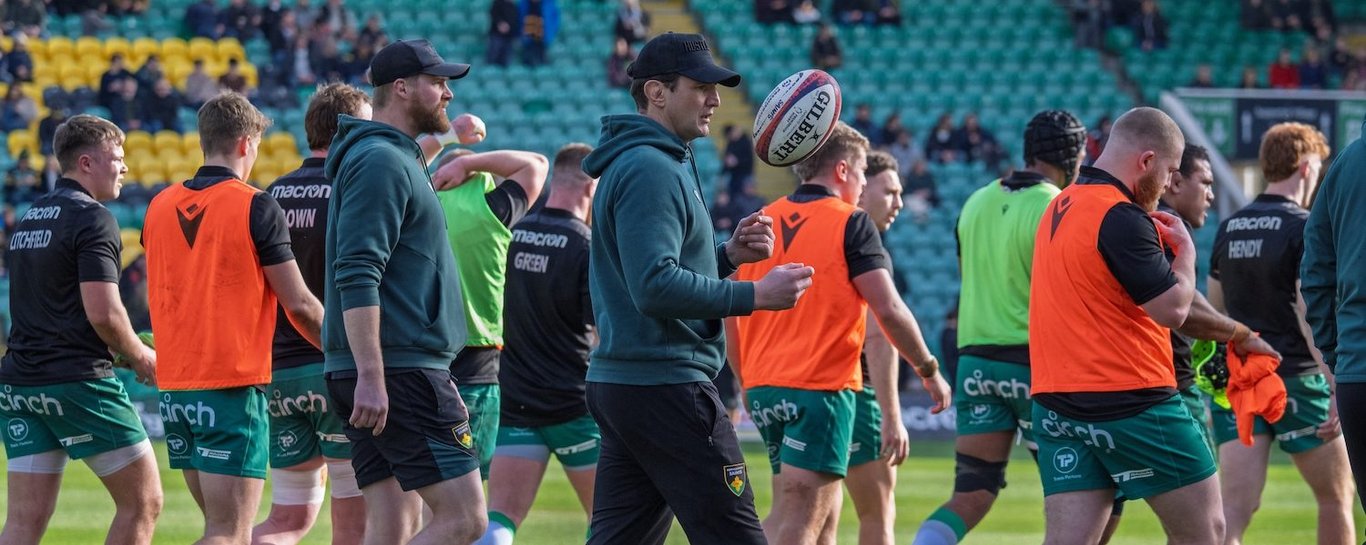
x,y
659,294
1333,285
394,317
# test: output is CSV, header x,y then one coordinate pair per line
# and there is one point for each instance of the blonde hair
x,y
843,142
224,119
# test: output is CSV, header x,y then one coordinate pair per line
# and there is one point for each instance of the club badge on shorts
x,y
735,478
463,435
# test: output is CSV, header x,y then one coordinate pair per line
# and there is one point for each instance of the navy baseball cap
x,y
406,58
686,54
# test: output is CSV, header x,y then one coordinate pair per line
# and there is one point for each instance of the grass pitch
x,y
1287,514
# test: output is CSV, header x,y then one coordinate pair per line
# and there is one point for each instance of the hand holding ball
x,y
797,117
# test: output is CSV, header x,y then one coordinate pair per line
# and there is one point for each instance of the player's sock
x,y
501,530
944,527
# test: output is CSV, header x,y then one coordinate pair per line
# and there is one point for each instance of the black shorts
x,y
427,437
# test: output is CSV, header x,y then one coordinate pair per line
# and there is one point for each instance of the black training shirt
x,y
1181,344
1256,260
302,195
64,239
547,321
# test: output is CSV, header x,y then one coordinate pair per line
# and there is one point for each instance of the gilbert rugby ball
x,y
796,118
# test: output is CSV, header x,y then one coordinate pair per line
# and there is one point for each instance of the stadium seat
x,y
117,46
55,46
88,47
203,48
174,48
138,142
230,48
166,142
143,48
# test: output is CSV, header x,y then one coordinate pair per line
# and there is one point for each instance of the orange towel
x,y
1254,389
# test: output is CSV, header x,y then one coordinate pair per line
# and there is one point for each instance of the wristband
x,y
1240,333
932,364
448,138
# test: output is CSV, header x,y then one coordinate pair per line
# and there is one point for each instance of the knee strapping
x,y
343,478
296,487
105,464
52,462
972,474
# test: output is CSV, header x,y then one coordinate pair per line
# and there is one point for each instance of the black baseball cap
x,y
686,54
405,58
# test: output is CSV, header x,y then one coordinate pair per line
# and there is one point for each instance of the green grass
x,y
1287,514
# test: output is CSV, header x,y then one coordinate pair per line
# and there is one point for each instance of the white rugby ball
x,y
797,117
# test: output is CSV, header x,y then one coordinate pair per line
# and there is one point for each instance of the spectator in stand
x,y
1204,77
126,110
1256,15
300,67
1150,27
1096,138
888,13
905,151
356,63
201,19
52,171
94,22
160,108
1313,71
863,121
807,13
233,80
1249,80
199,86
271,14
1287,15
825,50
1283,74
17,110
341,21
920,192
124,8
281,36
47,129
892,128
150,72
373,33
21,182
111,79
20,62
327,62
737,162
773,11
1341,58
503,30
1089,18
540,22
240,20
27,16
850,12
633,23
622,57
976,142
939,145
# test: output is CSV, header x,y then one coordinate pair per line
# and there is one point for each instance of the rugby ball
x,y
797,117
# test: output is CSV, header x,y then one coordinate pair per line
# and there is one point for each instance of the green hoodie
x,y
655,272
1333,269
386,243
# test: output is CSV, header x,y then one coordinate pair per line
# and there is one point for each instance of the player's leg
x,y
1076,517
457,506
482,401
577,445
871,480
519,464
1325,469
230,508
37,478
1190,514
813,448
131,476
1162,455
809,498
1243,477
348,504
296,497
392,515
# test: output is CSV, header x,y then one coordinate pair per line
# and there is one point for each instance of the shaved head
x,y
1147,129
1143,151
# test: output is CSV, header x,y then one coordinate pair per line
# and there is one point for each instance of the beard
x,y
1148,191
429,120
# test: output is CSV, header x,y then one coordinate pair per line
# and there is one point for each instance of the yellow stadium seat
x,y
230,48
7,42
174,48
249,72
138,143
44,83
215,68
89,49
202,48
21,140
281,141
36,48
166,143
46,70
178,71
189,146
72,76
94,72
143,48
116,46
179,170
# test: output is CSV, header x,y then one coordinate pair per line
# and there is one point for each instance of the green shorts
x,y
1306,406
867,442
808,429
224,432
575,443
484,404
83,418
1155,451
1196,404
302,423
993,396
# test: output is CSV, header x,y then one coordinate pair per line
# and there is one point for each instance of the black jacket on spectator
x,y
17,58
240,21
47,131
161,113
201,19
774,11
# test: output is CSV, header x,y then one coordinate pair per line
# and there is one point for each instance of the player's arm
x,y
1318,274
1214,290
1205,322
1128,242
902,329
97,270
525,168
270,234
883,369
1173,307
